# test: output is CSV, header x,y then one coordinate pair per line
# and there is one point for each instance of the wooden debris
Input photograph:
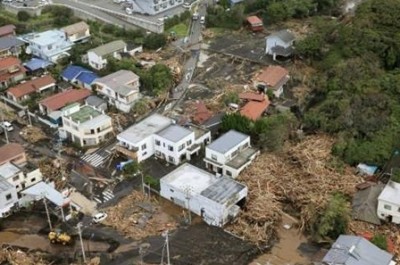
x,y
33,134
298,177
18,257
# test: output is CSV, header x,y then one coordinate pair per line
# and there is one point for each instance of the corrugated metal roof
x,y
285,35
174,133
109,48
223,190
42,189
355,250
74,72
37,63
227,141
391,193
8,170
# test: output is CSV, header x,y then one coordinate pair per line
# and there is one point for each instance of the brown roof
x,y
31,86
60,100
201,113
254,20
76,28
9,151
273,75
254,109
7,29
252,96
9,61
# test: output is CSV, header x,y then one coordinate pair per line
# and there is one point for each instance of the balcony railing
x,y
129,153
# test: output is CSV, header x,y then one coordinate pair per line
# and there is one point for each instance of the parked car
x,y
129,11
99,217
202,20
7,126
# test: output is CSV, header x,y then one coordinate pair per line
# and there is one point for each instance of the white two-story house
x,y
177,143
20,177
97,57
85,125
120,88
230,154
279,43
389,203
50,45
8,198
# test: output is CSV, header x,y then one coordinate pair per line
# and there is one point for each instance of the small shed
x,y
96,102
255,23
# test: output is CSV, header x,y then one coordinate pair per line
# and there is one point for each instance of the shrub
x,y
23,16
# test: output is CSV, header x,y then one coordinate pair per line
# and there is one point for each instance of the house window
x,y
171,159
181,147
92,131
144,146
387,207
171,190
158,142
33,179
214,157
229,173
189,142
15,178
8,197
17,186
170,148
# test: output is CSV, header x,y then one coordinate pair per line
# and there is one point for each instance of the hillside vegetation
x,y
356,91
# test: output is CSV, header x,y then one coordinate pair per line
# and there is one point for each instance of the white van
x,y
202,20
7,126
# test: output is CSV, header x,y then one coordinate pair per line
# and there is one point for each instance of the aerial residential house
x,y
20,177
37,65
176,143
272,78
121,88
96,102
14,153
7,30
255,105
50,45
8,198
280,44
97,57
154,7
216,199
389,203
62,99
26,89
11,71
255,23
84,125
79,76
230,154
10,46
137,142
356,250
78,32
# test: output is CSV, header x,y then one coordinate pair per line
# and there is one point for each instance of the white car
x,y
129,11
7,126
97,218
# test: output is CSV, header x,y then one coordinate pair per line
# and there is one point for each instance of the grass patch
x,y
180,29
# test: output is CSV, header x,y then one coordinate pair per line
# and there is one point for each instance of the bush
x,y
231,97
152,182
380,241
23,16
154,41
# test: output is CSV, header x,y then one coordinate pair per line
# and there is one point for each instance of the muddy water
x,y
285,251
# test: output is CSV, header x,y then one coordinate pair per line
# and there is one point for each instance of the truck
x,y
59,237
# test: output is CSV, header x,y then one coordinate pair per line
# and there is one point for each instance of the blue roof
x,y
36,63
74,72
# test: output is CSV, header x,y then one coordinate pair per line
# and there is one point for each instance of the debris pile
x,y
137,218
301,176
7,112
9,256
33,134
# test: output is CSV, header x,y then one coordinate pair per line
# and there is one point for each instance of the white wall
x,y
5,203
394,211
224,158
176,153
273,41
96,61
29,179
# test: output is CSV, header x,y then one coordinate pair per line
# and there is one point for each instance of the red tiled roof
x,y
254,20
9,151
201,113
60,100
6,30
273,75
254,109
252,96
9,61
31,86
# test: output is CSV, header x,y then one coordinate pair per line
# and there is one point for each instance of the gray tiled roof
x,y
227,141
355,250
94,101
109,48
8,42
174,133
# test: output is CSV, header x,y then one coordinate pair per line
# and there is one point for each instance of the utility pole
x,y
80,238
167,244
47,213
187,192
141,175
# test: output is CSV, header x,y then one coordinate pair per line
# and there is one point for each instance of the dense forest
x,y
356,91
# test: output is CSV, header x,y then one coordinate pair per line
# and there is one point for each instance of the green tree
x,y
231,97
153,182
157,80
237,122
23,16
380,241
154,41
131,169
141,107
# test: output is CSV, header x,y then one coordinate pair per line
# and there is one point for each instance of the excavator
x,y
59,237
